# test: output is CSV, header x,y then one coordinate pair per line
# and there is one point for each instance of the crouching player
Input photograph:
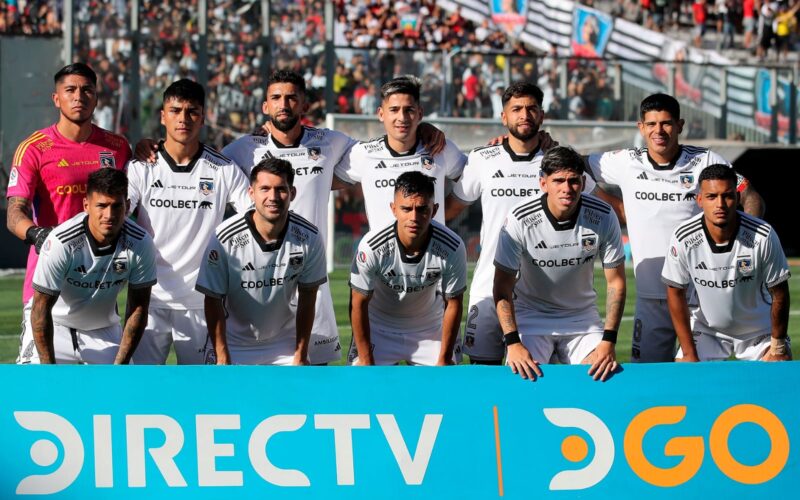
x,y
395,311
552,242
254,265
84,264
739,274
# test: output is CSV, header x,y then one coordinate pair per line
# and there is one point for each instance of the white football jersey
x,y
376,166
657,198
403,289
315,158
730,281
180,206
87,279
556,260
258,280
500,178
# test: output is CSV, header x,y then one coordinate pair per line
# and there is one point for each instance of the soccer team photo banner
x,y
655,431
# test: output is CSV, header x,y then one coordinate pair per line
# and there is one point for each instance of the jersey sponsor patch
x,y
13,177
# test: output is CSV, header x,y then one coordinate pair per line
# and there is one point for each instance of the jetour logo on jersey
x,y
690,449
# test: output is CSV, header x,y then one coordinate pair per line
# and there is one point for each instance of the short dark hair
x,y
411,183
275,166
718,172
186,90
407,84
523,89
660,102
79,69
108,181
562,158
287,76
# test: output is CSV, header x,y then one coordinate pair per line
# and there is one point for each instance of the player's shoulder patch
x,y
133,230
487,152
527,208
446,237
215,157
373,145
754,224
593,203
231,228
694,150
35,138
381,238
70,231
303,222
689,228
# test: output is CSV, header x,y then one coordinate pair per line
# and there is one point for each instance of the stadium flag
x,y
654,431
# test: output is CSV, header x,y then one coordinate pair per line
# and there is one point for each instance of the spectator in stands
x,y
700,13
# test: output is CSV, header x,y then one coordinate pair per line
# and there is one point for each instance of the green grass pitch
x,y
11,311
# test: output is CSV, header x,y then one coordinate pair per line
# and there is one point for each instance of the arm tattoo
x,y
18,210
506,315
615,303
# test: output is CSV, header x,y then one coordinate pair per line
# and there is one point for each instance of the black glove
x,y
35,235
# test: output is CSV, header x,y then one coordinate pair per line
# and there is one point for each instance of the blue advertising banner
x,y
471,432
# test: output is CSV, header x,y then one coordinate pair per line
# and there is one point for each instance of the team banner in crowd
x,y
475,432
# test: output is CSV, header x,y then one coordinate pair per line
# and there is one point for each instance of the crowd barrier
x,y
656,431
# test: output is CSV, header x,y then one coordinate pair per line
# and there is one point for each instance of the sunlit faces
x,y
414,213
563,188
271,195
183,120
522,116
400,115
75,97
660,131
718,199
285,105
106,215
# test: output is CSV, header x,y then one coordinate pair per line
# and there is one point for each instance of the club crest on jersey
x,y
687,181
427,162
206,186
296,260
588,243
107,160
313,153
744,265
119,266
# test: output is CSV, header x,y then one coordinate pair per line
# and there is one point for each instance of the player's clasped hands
x,y
521,362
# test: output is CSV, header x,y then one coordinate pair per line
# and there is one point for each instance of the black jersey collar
x,y
670,165
515,157
265,246
557,225
394,153
94,246
718,248
404,255
296,143
180,169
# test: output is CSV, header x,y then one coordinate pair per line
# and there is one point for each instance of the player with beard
x,y
500,176
47,182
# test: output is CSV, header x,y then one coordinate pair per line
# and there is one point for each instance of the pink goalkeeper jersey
x,y
51,171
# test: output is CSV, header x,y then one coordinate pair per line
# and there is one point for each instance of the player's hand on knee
x,y
603,360
521,362
146,150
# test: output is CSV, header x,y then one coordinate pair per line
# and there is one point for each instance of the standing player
x,y
500,176
378,163
261,275
180,199
395,312
659,186
733,261
47,182
552,242
84,265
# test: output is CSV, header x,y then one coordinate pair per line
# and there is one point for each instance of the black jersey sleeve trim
x,y
773,284
455,294
366,293
210,293
315,284
144,284
674,284
505,269
614,264
45,290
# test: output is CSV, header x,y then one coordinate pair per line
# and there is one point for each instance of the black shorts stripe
x,y
229,231
381,234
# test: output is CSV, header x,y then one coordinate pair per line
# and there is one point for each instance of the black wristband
x,y
610,336
511,338
30,235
